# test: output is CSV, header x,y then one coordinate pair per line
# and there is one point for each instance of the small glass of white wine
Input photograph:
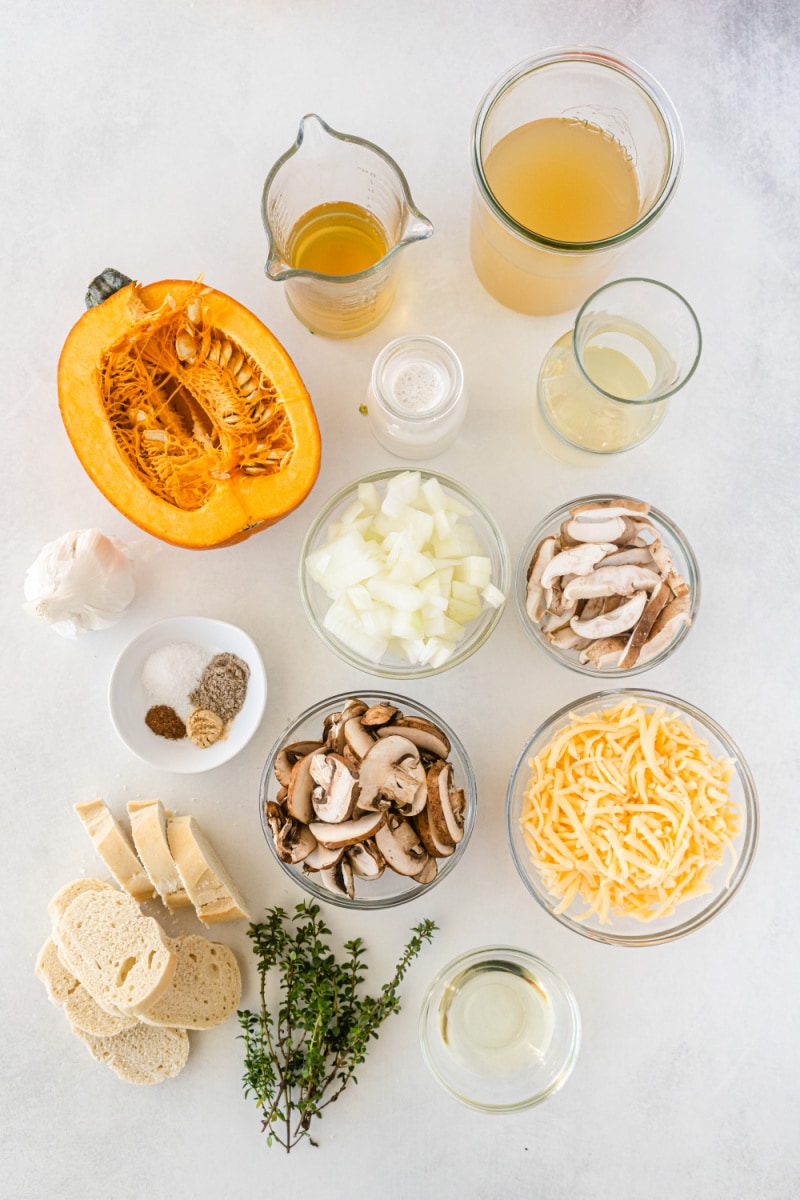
x,y
604,385
500,1029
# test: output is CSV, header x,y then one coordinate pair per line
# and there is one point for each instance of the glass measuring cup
x,y
323,175
608,138
605,384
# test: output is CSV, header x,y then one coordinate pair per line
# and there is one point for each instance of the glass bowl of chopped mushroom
x,y
632,817
404,574
367,800
607,585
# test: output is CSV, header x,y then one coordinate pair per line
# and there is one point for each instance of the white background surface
x,y
138,135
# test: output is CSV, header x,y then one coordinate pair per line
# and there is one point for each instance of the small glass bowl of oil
x,y
500,1029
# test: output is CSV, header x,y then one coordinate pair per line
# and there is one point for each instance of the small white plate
x,y
128,702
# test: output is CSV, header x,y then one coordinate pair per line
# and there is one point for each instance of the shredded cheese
x,y
629,810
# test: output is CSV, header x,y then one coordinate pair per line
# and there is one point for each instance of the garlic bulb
x,y
81,581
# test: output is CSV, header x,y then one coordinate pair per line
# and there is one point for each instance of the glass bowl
x,y
316,602
500,1029
390,889
680,551
691,913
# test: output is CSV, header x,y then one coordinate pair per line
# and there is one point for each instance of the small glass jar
x,y
416,400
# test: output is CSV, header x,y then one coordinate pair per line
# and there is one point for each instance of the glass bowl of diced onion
x,y
632,817
404,574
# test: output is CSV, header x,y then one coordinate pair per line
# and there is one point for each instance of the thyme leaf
x,y
302,1050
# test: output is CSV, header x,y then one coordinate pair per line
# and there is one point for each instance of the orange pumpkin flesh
x,y
187,413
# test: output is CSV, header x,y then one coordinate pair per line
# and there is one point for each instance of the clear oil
x,y
339,238
496,1019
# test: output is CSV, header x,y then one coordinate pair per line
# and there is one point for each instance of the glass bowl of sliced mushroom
x,y
367,801
404,574
607,585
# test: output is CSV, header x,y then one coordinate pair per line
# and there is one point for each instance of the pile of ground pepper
x,y
222,687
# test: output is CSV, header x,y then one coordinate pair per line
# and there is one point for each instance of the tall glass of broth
x,y
574,153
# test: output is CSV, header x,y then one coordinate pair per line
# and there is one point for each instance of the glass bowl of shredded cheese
x,y
632,817
404,574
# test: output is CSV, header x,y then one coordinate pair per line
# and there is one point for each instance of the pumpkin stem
x,y
104,285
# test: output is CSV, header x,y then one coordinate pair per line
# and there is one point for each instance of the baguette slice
x,y
213,893
114,848
149,830
206,988
66,992
59,905
141,1055
63,898
120,956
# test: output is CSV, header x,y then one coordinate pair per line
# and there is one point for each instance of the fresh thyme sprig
x,y
300,1057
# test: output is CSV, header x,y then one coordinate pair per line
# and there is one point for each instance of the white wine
x,y
623,360
496,1019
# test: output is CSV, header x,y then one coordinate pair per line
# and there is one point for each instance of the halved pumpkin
x,y
187,413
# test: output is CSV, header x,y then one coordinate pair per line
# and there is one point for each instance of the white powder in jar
x,y
418,387
172,672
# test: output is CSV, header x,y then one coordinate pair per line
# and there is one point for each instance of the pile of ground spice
x,y
204,727
164,721
222,687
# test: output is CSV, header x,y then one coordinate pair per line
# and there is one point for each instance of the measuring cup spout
x,y
416,227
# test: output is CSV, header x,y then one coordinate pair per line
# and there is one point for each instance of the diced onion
x,y
405,573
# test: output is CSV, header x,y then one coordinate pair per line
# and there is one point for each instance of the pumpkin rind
x,y
237,506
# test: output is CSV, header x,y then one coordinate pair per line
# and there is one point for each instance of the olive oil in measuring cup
x,y
337,239
337,209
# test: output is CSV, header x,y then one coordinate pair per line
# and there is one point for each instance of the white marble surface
x,y
139,135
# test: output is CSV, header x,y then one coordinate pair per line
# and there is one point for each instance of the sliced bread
x,y
205,990
213,893
120,956
114,848
63,898
142,1055
149,830
67,992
